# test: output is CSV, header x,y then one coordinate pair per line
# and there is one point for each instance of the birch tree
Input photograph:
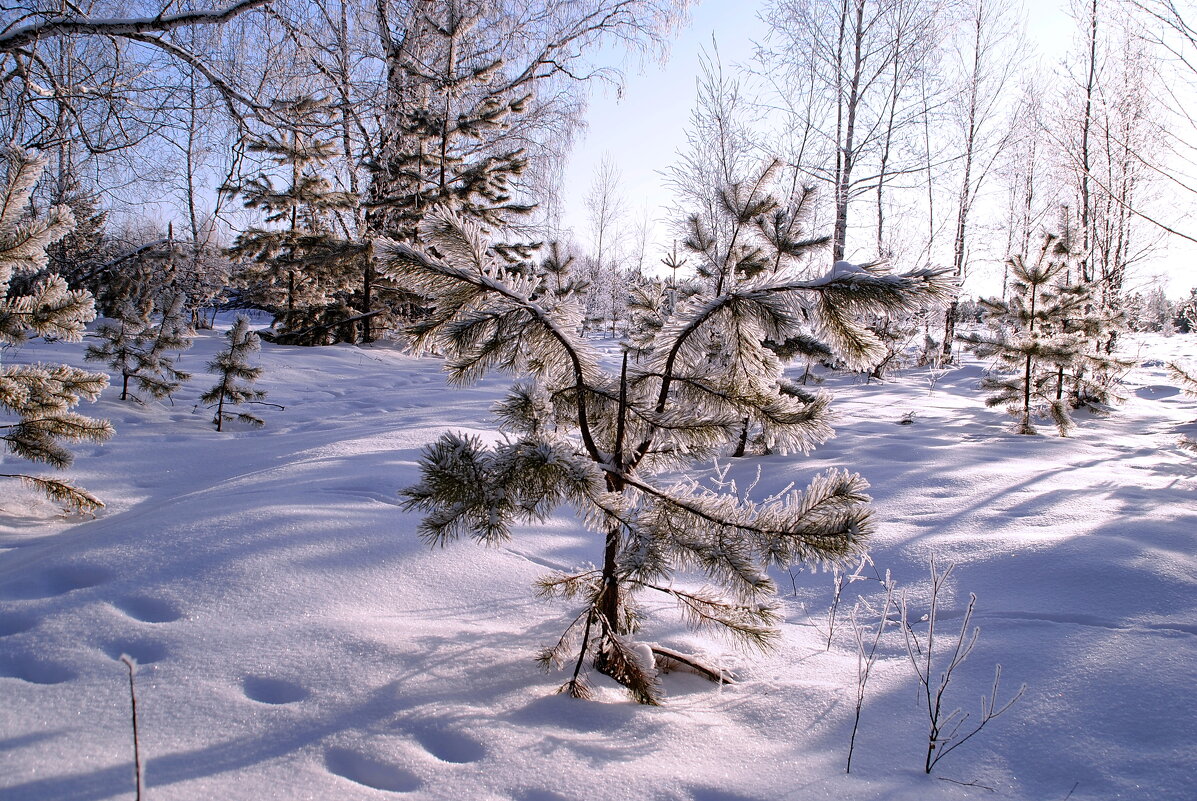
x,y
859,60
988,52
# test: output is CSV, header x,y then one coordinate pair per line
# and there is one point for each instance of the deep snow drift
x,y
296,640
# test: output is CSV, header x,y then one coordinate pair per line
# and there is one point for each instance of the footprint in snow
x,y
369,771
16,624
56,581
149,610
34,670
266,690
450,746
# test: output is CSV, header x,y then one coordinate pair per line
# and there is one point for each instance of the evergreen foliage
x,y
445,144
301,270
138,349
36,400
157,373
1188,385
79,257
582,435
1186,314
1049,338
236,376
560,273
123,340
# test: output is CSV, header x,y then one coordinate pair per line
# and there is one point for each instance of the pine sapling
x,y
124,341
592,437
156,371
236,376
1029,340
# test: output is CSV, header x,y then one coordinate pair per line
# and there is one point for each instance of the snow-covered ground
x,y
297,641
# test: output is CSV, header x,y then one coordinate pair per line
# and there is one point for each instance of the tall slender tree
x,y
989,53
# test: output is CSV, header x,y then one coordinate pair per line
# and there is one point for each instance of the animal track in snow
x,y
266,690
371,772
56,581
34,670
450,746
149,610
540,795
1157,391
15,624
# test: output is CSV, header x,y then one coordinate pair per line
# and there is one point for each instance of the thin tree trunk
x,y
1086,124
959,245
844,183
742,443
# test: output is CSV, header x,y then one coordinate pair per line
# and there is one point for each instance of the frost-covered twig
x,y
159,23
945,732
866,657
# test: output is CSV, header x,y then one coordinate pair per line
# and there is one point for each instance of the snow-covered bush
x,y
583,435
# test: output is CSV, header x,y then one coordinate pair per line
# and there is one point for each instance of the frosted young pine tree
x,y
36,400
236,376
156,370
139,350
582,435
122,341
1032,339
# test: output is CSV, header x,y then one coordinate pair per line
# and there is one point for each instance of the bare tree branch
x,y
65,25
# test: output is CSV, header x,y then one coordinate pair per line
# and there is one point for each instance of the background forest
x,y
263,146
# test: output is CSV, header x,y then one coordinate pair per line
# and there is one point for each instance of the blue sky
x,y
644,129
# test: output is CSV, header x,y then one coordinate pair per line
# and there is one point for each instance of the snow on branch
x,y
64,25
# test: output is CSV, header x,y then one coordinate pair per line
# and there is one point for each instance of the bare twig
x,y
945,729
138,776
866,658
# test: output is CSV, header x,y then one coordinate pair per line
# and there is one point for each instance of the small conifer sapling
x,y
1028,336
236,376
122,341
593,438
157,373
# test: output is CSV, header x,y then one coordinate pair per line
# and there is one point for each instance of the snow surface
x,y
296,640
